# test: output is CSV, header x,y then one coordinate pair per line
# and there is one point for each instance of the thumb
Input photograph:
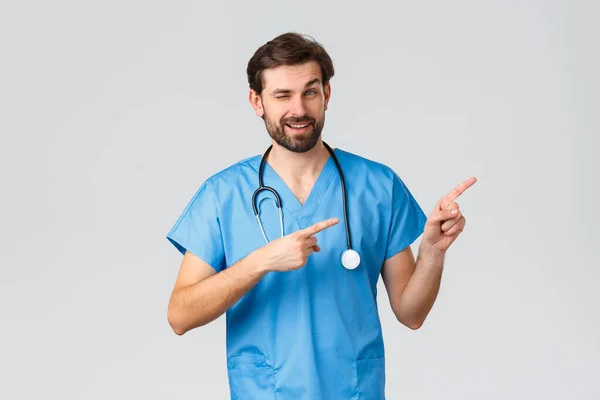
x,y
443,215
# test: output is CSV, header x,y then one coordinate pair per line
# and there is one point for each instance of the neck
x,y
298,166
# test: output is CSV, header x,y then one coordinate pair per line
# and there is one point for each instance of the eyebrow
x,y
285,91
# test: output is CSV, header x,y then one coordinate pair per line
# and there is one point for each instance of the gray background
x,y
106,113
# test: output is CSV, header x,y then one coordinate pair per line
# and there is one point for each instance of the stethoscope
x,y
350,258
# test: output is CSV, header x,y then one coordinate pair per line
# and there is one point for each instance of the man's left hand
x,y
446,221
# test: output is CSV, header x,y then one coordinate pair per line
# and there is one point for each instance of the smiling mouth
x,y
298,126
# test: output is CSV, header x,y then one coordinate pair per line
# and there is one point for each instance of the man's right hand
x,y
201,295
291,251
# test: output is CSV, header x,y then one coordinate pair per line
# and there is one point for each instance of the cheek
x,y
274,118
316,106
274,112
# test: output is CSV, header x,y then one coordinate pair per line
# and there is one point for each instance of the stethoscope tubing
x,y
261,187
354,257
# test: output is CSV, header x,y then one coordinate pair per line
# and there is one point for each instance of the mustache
x,y
298,120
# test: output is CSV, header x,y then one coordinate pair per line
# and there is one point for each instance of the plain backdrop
x,y
113,113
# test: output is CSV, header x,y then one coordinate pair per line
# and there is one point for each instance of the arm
x,y
201,295
413,286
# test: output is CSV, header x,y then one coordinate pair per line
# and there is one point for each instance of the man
x,y
302,323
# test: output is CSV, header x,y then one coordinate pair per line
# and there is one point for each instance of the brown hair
x,y
287,49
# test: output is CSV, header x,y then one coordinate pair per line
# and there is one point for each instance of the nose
x,y
297,106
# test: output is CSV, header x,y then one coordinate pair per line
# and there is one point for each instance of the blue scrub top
x,y
312,333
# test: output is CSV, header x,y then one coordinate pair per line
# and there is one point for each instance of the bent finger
x,y
310,241
457,228
449,223
308,251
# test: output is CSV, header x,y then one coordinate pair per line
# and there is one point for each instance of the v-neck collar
x,y
302,212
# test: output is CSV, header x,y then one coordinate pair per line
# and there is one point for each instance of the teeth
x,y
298,126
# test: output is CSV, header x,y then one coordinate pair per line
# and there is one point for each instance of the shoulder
x,y
358,165
382,180
222,184
234,173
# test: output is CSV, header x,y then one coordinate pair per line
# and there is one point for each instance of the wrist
x,y
430,253
260,261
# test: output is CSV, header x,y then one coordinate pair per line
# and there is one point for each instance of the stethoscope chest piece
x,y
350,259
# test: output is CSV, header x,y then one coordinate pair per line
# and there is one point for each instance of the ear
x,y
327,92
256,102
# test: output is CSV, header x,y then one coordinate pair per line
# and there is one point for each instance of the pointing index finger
x,y
457,191
319,226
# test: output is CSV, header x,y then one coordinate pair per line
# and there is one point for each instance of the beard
x,y
297,143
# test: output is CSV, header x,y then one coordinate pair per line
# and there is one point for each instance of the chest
x,y
300,188
368,221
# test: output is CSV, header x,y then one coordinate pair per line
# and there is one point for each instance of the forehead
x,y
290,76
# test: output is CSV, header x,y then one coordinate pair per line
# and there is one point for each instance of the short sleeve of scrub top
x,y
198,229
407,218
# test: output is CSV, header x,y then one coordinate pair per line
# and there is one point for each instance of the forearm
x,y
422,289
198,304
